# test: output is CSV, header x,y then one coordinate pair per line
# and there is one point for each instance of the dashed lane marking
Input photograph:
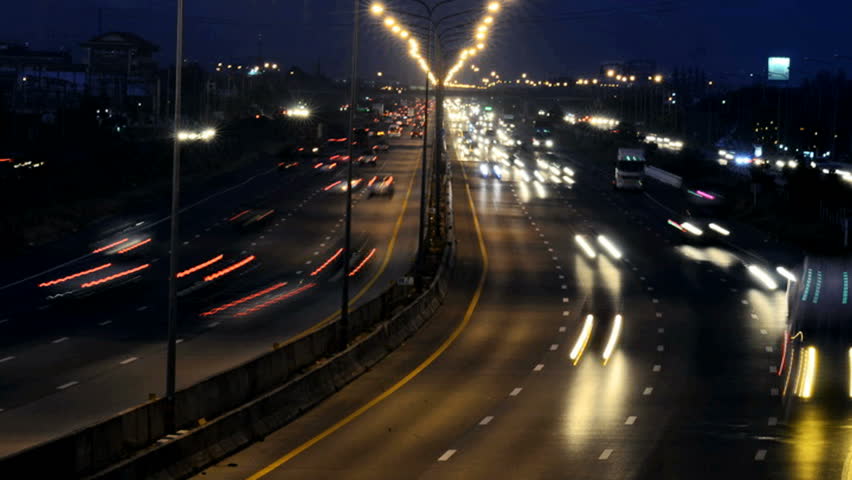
x,y
554,347
105,323
630,420
515,392
648,391
67,385
772,421
605,454
486,420
447,455
563,328
60,340
538,367
657,368
128,360
760,455
7,359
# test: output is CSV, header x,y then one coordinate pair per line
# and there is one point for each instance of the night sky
x,y
728,38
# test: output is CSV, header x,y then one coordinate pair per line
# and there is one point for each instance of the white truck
x,y
630,169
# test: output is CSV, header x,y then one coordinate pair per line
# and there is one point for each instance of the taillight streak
x,y
113,244
327,262
363,262
134,246
75,275
332,185
245,299
200,266
227,270
117,275
276,299
238,215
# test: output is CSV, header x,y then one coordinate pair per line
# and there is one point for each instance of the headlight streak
x,y
719,229
613,251
785,273
810,366
582,340
613,340
584,245
764,277
692,229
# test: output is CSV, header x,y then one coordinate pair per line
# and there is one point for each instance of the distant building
x,y
120,68
38,81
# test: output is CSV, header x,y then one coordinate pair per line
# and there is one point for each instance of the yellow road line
x,y
375,278
375,401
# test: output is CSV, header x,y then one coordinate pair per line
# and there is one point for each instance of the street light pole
x,y
173,253
420,230
353,102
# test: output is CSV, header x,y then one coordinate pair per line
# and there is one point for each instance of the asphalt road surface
x,y
500,384
65,365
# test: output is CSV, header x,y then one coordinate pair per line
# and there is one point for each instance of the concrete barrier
x,y
664,176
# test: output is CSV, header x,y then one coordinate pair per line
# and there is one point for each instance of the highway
x,y
501,384
65,366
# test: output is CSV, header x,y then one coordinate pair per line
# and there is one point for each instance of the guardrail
x,y
227,411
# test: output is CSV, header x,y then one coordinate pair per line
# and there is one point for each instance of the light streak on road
x,y
584,245
75,275
327,262
764,277
115,276
785,273
582,340
610,247
227,270
200,266
363,262
613,339
242,300
719,229
111,245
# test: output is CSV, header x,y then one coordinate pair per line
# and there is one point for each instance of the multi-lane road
x,y
65,366
500,384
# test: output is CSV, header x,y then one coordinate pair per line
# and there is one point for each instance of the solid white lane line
x,y
760,455
538,367
515,392
554,347
630,420
66,385
657,368
605,454
661,348
648,391
60,340
486,420
7,359
128,360
446,456
772,421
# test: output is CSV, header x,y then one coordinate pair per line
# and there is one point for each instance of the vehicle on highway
x,y
629,169
381,146
380,186
339,186
704,217
417,133
816,354
368,159
251,218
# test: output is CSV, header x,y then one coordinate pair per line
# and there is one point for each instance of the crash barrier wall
x,y
242,404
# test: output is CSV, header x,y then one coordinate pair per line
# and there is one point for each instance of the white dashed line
x,y
565,299
648,391
744,302
754,316
538,367
657,368
179,340
308,262
60,340
67,385
213,325
515,392
642,278
128,360
760,455
565,313
661,348
769,349
630,420
142,308
446,456
772,369
486,420
564,287
661,330
7,359
105,323
605,454
655,300
773,392
650,289
763,331
4,320
772,421
554,347
562,329
561,277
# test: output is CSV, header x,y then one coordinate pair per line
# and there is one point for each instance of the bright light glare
x,y
810,366
764,277
587,249
377,9
785,273
692,229
613,251
722,230
582,340
493,6
613,339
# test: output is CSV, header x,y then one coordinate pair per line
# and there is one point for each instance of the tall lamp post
x,y
173,243
347,242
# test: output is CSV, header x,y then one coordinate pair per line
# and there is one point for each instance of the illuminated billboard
x,y
779,68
